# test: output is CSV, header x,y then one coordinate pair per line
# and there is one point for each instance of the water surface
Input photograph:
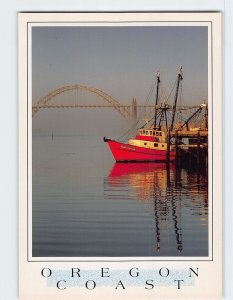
x,y
85,204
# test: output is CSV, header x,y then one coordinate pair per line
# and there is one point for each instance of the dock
x,y
191,148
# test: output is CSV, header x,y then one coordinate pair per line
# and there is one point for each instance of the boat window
x,y
143,131
155,144
162,145
151,132
146,131
145,144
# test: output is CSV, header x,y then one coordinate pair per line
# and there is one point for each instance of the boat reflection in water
x,y
176,201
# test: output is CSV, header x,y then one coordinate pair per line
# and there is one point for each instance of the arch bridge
x,y
129,112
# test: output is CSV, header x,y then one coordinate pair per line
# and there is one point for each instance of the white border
x,y
8,175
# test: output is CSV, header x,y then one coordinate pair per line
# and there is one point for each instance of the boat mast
x,y
180,77
157,97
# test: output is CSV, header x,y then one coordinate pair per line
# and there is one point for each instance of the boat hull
x,y
129,153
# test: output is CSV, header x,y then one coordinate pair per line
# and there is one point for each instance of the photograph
x,y
120,141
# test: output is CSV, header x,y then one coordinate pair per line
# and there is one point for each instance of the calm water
x,y
84,204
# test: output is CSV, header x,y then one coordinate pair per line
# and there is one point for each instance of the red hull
x,y
126,152
121,169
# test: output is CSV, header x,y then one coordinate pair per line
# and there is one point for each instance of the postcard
x,y
120,156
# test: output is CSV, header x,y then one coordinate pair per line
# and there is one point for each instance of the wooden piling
x,y
198,150
206,162
177,149
194,154
168,146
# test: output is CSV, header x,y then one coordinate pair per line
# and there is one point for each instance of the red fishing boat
x,y
150,143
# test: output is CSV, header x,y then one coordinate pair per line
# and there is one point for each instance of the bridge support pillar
x,y
134,110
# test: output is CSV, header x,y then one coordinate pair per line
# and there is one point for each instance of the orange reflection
x,y
143,177
166,192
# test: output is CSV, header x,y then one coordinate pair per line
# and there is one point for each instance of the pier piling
x,y
198,150
193,154
177,150
168,147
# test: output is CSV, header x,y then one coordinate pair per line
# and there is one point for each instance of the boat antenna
x,y
180,77
157,97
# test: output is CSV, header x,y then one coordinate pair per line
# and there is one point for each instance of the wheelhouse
x,y
158,135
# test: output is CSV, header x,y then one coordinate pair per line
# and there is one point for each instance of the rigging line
x,y
171,91
181,92
179,114
149,95
150,92
133,127
129,131
163,93
148,98
181,118
152,118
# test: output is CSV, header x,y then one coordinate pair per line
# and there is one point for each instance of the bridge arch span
x,y
124,111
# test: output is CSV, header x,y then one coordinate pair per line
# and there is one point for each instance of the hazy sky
x,y
122,61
